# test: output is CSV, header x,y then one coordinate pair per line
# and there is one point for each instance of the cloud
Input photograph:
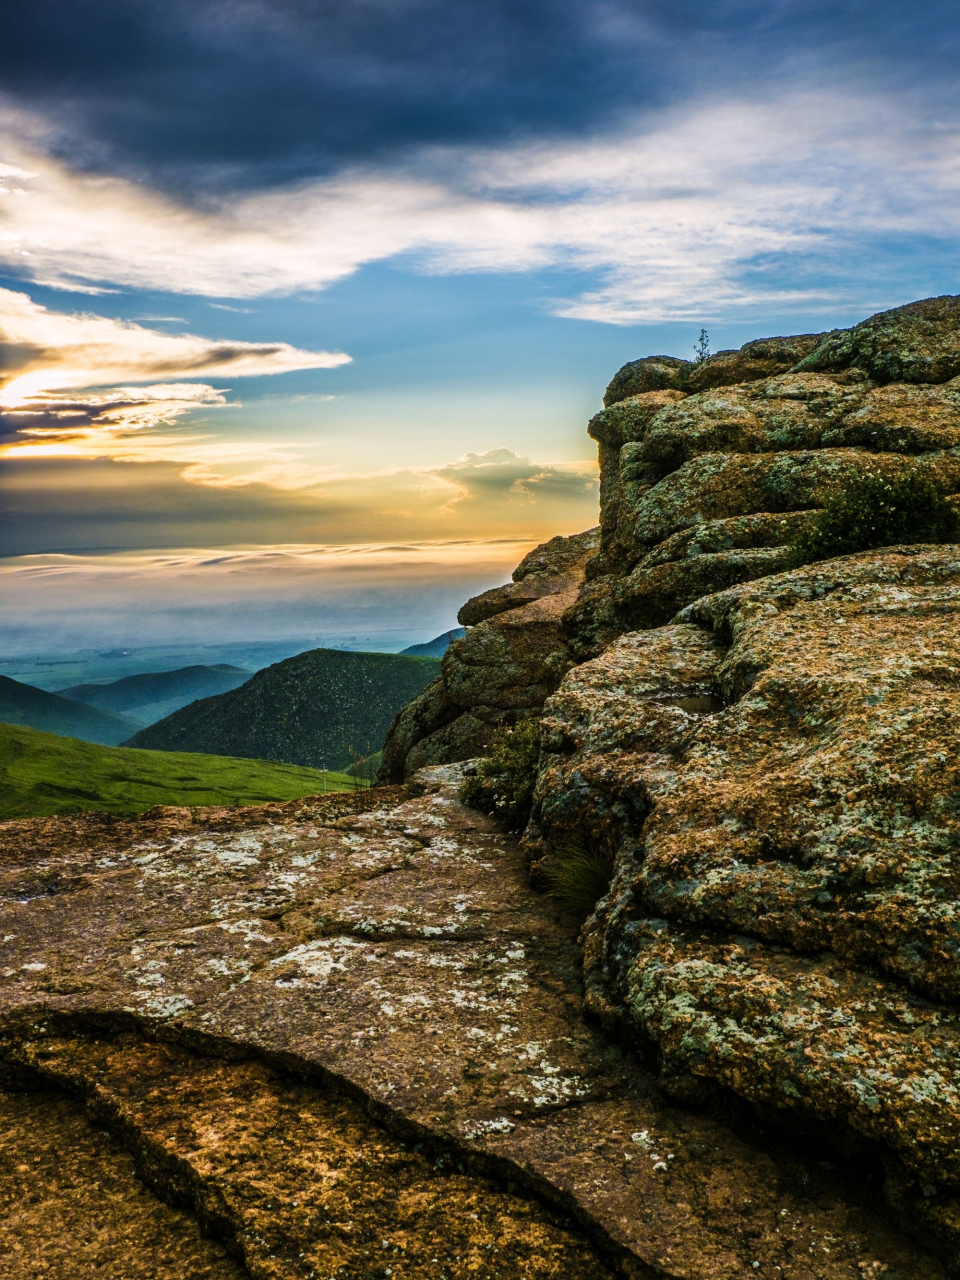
x,y
721,208
219,492
409,590
46,357
53,349
502,474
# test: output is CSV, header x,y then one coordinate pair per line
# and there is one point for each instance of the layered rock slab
x,y
783,922
72,1206
187,978
512,658
300,1181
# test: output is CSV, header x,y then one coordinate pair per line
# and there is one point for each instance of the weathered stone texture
x,y
916,343
762,358
652,373
72,1207
352,1043
730,460
512,658
779,767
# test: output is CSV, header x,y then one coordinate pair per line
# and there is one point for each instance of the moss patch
x,y
873,511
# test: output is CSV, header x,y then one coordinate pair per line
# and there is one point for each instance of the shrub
x,y
504,782
578,874
871,511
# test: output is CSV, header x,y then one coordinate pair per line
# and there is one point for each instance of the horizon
x,y
284,289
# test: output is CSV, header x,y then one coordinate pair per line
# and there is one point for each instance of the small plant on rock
x,y
872,511
505,779
578,873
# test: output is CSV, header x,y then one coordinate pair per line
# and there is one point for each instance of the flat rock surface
x,y
266,1006
71,1204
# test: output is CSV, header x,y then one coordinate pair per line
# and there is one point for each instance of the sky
x,y
304,306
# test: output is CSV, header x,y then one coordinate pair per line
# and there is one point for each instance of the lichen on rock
x,y
772,751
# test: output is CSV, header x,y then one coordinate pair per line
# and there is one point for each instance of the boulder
x,y
919,342
777,771
512,657
652,373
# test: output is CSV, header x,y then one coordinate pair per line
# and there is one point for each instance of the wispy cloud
x,y
721,208
409,588
501,474
64,379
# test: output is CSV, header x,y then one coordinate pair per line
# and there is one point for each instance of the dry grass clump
x,y
578,873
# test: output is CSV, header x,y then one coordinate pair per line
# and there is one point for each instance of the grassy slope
x,y
26,705
42,774
306,710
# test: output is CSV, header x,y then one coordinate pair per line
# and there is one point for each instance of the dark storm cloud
x,y
258,91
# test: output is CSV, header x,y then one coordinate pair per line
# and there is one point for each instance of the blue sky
x,y
346,275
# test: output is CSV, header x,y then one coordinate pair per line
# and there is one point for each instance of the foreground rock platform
x,y
351,1043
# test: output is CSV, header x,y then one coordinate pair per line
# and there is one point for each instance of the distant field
x,y
42,774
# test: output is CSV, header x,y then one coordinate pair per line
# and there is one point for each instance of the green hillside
x,y
436,647
26,705
42,774
152,695
311,709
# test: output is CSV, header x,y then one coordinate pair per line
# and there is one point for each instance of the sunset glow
x,y
305,319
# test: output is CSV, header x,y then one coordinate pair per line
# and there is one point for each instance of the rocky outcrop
x,y
770,754
701,490
778,772
707,471
511,659
916,343
351,1043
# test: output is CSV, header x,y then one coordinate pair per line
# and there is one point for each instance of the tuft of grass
x,y
871,511
505,779
577,875
42,774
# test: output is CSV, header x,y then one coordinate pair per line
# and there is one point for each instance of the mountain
x,y
311,709
24,704
43,774
156,694
436,647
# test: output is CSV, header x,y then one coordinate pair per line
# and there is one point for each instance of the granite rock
x,y
511,659
349,1041
919,342
777,768
652,373
762,358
